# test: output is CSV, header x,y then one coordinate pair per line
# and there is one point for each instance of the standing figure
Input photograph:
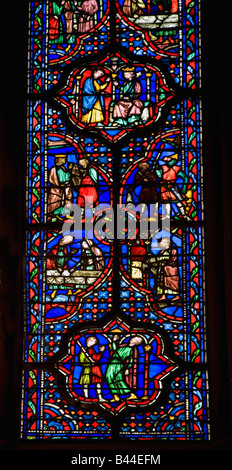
x,y
121,372
69,7
148,181
129,108
91,372
55,24
133,8
86,11
164,267
60,193
92,111
169,190
87,192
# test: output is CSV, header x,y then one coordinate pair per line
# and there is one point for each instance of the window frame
x,y
217,174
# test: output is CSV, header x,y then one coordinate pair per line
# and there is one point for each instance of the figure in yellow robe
x,y
92,98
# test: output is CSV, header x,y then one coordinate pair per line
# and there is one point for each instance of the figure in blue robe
x,y
93,100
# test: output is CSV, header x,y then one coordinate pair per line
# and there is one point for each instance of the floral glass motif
x,y
115,327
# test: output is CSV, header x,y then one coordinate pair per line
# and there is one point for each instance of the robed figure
x,y
169,172
164,267
84,181
122,370
128,109
86,12
93,103
87,189
60,193
89,360
145,185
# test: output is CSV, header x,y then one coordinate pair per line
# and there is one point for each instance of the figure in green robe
x,y
60,193
119,368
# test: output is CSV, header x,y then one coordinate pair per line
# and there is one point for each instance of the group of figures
x,y
113,366
157,270
115,95
125,111
121,370
148,184
161,182
115,327
66,178
71,17
72,182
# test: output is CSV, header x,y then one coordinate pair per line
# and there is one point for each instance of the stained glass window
x,y
115,320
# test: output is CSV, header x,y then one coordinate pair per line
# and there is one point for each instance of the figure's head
x,y
168,158
143,166
129,73
165,242
135,341
83,165
66,240
91,341
86,244
98,74
60,159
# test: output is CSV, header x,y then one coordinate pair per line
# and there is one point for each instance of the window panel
x,y
115,322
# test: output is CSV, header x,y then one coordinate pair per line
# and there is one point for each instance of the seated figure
x,y
128,109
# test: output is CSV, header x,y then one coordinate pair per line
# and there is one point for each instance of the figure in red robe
x,y
87,191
